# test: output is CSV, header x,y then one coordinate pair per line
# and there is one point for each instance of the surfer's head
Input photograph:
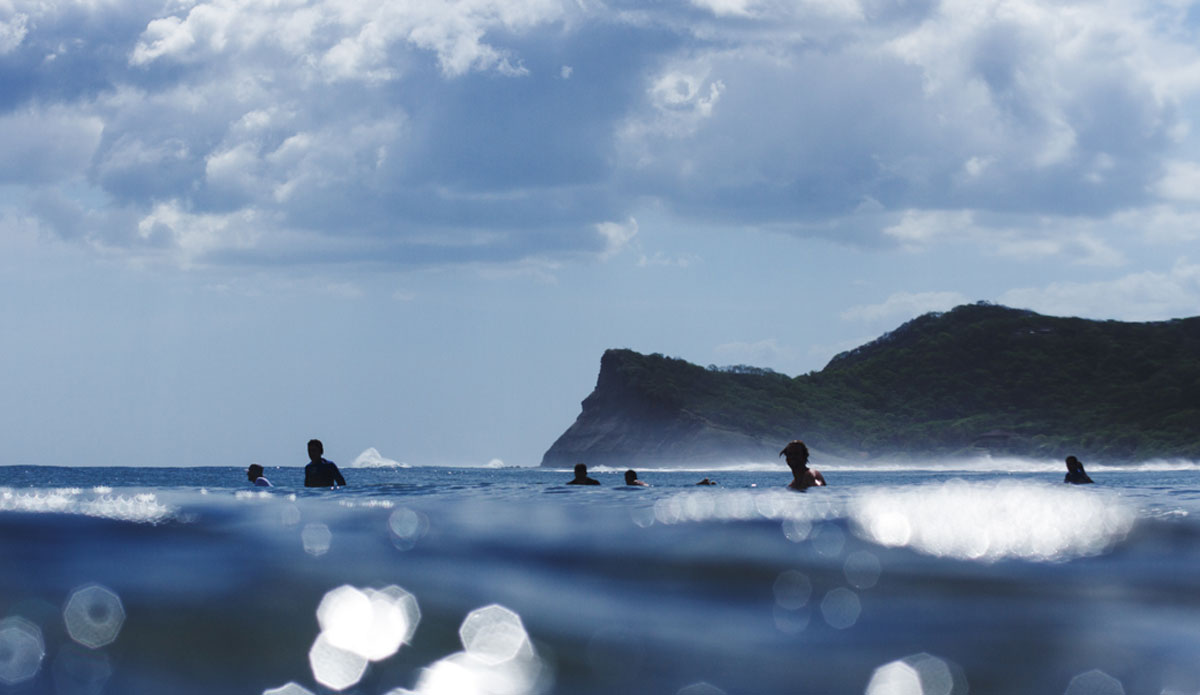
x,y
630,477
315,449
580,470
796,453
254,472
1073,464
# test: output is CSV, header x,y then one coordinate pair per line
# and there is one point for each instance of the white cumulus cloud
x,y
1142,296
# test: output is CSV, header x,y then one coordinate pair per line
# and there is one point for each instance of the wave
x,y
141,508
371,458
979,521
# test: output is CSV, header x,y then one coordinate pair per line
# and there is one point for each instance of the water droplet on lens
x,y
372,624
841,608
493,634
791,622
1095,682
792,589
862,569
334,667
895,678
828,539
288,689
94,616
797,530
407,527
918,674
316,538
21,650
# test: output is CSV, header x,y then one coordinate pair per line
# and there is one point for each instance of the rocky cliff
x,y
979,378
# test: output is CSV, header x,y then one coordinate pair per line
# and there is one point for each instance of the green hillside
x,y
978,378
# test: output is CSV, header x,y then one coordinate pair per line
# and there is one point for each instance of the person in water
x,y
1075,472
803,477
632,480
255,474
581,476
321,473
706,481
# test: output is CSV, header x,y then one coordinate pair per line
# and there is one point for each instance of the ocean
x,y
945,579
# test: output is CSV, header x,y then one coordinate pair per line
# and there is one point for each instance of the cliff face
x,y
627,422
977,379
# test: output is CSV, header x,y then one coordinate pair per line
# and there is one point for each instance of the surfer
x,y
631,479
321,473
706,481
1075,472
581,476
803,477
255,474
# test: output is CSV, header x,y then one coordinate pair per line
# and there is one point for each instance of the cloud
x,y
477,131
46,144
616,236
1145,296
186,236
1078,241
905,305
12,32
1180,182
345,41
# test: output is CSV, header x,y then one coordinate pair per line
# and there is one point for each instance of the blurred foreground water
x,y
460,581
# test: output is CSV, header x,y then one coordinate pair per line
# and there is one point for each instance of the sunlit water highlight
x,y
440,581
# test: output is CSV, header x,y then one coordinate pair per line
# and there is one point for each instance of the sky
x,y
229,227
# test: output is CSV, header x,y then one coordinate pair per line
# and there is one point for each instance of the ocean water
x,y
950,579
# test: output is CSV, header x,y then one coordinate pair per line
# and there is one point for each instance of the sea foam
x,y
141,508
992,521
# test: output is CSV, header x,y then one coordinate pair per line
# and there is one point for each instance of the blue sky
x,y
227,227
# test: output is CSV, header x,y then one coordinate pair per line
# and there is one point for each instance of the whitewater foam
x,y
981,521
992,521
141,508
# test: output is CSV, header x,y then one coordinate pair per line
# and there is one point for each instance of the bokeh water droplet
x,y
21,650
841,608
288,689
407,527
94,616
862,569
493,634
317,539
792,589
334,667
367,622
1095,682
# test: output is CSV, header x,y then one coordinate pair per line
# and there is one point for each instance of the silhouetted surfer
x,y
631,479
581,476
321,473
255,474
1075,473
803,477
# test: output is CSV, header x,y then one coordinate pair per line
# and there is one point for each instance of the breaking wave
x,y
141,508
